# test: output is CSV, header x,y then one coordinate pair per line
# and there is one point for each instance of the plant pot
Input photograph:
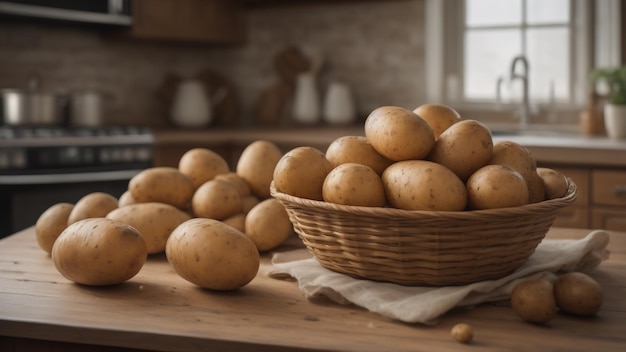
x,y
615,121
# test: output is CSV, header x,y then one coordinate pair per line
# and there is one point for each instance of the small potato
x,y
356,149
256,165
463,148
411,184
216,199
438,116
202,165
268,225
51,223
462,332
99,251
533,300
126,199
154,221
554,181
301,173
578,294
354,184
92,205
162,184
237,221
496,186
242,185
399,134
212,255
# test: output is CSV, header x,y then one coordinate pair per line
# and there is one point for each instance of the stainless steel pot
x,y
87,108
32,106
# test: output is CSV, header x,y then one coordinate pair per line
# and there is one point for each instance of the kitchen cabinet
x,y
203,21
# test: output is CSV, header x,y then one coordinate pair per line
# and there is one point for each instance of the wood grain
x,y
158,310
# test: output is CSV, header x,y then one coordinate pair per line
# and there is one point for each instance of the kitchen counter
x,y
158,310
546,146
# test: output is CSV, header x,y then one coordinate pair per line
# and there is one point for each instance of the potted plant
x,y
614,81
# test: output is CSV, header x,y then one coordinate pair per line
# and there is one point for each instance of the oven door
x,y
24,197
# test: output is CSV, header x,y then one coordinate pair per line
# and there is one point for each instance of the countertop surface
x,y
158,310
545,145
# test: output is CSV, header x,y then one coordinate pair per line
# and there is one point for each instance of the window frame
x,y
595,39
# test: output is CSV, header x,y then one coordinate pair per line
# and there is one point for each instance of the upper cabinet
x,y
201,21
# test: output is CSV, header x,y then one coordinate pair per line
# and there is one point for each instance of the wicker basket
x,y
433,248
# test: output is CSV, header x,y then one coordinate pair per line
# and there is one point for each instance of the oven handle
x,y
119,175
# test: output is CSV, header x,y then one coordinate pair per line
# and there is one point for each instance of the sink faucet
x,y
524,111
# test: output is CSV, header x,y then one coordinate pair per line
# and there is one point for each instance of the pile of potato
x,y
211,222
425,159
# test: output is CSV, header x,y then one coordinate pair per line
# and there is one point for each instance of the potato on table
x,y
256,165
51,223
92,205
163,185
99,251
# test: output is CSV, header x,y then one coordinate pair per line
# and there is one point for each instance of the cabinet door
x,y
613,219
209,21
609,187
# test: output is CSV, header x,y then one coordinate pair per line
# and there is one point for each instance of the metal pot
x,y
87,108
32,106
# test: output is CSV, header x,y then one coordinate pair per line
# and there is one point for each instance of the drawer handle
x,y
620,191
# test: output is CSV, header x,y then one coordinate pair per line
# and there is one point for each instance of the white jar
x,y
191,106
338,105
306,105
615,121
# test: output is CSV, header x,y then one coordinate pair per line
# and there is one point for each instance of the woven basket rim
x,y
534,208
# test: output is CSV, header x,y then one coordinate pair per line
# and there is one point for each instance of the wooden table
x,y
158,310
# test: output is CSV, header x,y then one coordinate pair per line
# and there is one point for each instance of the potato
x,y
423,185
216,199
554,181
51,223
202,165
438,116
212,255
237,221
92,205
301,173
354,184
463,148
154,221
496,186
536,188
256,166
248,202
514,156
126,199
268,225
242,185
99,251
162,184
578,294
399,134
356,149
463,333
533,300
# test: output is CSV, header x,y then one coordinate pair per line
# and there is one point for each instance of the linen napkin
x,y
421,304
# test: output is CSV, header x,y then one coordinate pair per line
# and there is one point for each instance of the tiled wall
x,y
376,47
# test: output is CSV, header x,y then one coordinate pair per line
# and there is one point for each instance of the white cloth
x,y
420,304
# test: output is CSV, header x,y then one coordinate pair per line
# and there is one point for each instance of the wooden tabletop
x,y
158,310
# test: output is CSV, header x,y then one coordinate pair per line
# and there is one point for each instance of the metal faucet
x,y
524,111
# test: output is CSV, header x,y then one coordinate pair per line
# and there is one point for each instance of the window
x,y
471,45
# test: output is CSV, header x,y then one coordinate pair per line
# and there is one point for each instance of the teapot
x,y
192,106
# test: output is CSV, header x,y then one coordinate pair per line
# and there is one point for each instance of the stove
x,y
42,166
56,150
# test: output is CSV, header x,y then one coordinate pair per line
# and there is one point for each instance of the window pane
x,y
548,54
552,11
488,56
493,12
